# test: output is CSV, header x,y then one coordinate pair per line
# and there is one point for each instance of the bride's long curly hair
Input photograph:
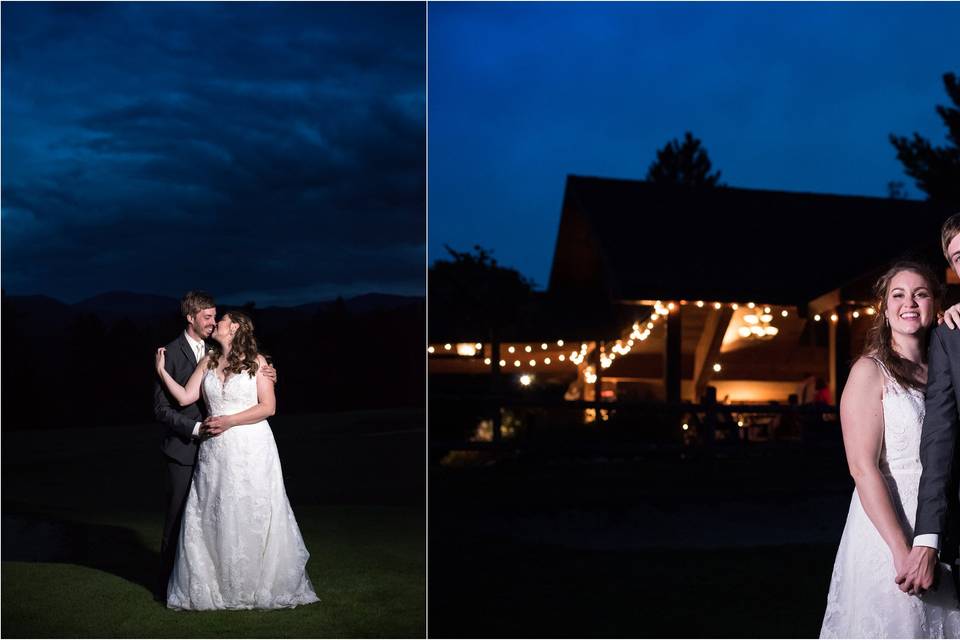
x,y
243,351
879,340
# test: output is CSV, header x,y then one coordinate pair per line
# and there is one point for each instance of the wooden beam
x,y
825,303
672,356
839,352
708,348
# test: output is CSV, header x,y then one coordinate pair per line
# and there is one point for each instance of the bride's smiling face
x,y
910,304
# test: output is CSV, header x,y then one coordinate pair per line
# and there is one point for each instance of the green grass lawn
x,y
367,565
81,536
539,550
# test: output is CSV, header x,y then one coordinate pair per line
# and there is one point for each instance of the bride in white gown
x,y
240,546
881,413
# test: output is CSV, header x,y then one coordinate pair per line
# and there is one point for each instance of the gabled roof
x,y
634,240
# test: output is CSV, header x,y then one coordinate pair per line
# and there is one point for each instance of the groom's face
x,y
204,322
953,254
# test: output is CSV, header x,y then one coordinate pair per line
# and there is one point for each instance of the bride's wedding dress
x,y
864,601
240,546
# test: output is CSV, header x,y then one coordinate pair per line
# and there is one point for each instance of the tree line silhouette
x,y
62,368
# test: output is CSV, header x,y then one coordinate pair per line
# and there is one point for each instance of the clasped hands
x,y
215,425
916,573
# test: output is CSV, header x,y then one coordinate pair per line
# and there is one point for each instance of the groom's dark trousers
x,y
179,450
939,493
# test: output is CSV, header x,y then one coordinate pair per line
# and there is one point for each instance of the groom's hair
x,y
949,229
194,302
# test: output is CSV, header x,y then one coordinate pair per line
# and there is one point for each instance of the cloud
x,y
259,146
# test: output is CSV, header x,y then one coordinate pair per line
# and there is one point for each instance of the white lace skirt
x,y
865,602
240,546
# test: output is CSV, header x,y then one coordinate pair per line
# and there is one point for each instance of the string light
x,y
525,380
503,363
448,346
816,318
528,348
511,349
833,317
516,363
487,361
430,349
716,367
544,346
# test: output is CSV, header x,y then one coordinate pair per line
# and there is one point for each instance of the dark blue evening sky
x,y
263,151
788,96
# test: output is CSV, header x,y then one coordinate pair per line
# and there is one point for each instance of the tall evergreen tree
x,y
936,169
686,163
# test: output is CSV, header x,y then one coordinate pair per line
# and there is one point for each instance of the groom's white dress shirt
x,y
199,349
931,540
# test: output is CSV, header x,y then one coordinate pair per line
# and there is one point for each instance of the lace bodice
x,y
903,411
236,394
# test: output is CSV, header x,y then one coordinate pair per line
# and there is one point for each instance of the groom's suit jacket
x,y
178,442
937,503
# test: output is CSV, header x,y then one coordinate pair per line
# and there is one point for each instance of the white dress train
x,y
864,601
240,546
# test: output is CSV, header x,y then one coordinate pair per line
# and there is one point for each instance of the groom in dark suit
x,y
183,426
938,504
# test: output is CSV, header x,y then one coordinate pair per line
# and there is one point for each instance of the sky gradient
x,y
264,151
787,96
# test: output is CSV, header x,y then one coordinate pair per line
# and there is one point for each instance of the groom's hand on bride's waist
x,y
215,425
